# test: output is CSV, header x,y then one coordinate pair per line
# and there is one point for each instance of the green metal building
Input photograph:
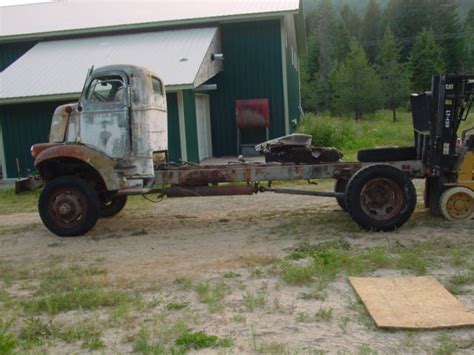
x,y
42,66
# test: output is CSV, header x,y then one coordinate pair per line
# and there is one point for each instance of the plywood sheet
x,y
411,303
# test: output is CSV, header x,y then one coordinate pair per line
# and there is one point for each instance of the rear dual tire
x,y
109,207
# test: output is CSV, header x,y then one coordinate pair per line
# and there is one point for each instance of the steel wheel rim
x,y
67,207
382,199
460,205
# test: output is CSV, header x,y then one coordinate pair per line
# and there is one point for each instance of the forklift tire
x,y
380,197
340,186
457,204
111,207
386,154
68,206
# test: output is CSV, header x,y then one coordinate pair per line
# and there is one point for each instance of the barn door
x,y
203,122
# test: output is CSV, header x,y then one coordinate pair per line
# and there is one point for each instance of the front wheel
x,y
457,204
68,206
380,197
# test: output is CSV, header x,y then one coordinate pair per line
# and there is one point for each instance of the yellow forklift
x,y
437,117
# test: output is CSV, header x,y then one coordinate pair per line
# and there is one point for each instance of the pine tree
x,y
355,84
371,29
426,60
309,74
395,82
468,55
342,40
351,21
447,27
406,19
322,26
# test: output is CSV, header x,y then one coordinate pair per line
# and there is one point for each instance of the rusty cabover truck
x,y
113,143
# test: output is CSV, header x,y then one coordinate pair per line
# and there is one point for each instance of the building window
x,y
106,89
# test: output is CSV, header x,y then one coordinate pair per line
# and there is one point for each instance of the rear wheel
x,y
109,207
457,204
68,206
380,197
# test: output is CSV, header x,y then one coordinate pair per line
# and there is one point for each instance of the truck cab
x,y
118,126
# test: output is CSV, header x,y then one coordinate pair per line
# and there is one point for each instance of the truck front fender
x,y
99,162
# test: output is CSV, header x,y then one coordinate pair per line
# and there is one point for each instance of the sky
x,y
19,2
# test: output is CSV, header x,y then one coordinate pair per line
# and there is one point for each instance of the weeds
x,y
8,343
231,275
87,332
321,264
175,306
200,340
35,331
74,288
447,345
212,295
253,301
143,345
324,314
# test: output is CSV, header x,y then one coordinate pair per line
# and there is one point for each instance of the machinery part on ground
x,y
386,154
380,197
457,203
340,186
111,206
303,155
68,206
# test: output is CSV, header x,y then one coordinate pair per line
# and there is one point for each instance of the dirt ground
x,y
238,242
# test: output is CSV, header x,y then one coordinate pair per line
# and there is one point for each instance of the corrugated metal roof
x,y
70,16
59,67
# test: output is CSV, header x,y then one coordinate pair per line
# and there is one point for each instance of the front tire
x,y
68,206
457,204
380,197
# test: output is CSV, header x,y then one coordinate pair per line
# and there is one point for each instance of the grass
x,y
319,264
447,345
11,203
201,340
252,301
74,288
212,295
324,314
175,306
8,343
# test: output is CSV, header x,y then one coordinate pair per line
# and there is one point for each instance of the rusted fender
x,y
97,160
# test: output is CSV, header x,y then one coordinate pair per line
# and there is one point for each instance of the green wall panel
x,y
23,126
252,70
189,103
174,143
11,52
